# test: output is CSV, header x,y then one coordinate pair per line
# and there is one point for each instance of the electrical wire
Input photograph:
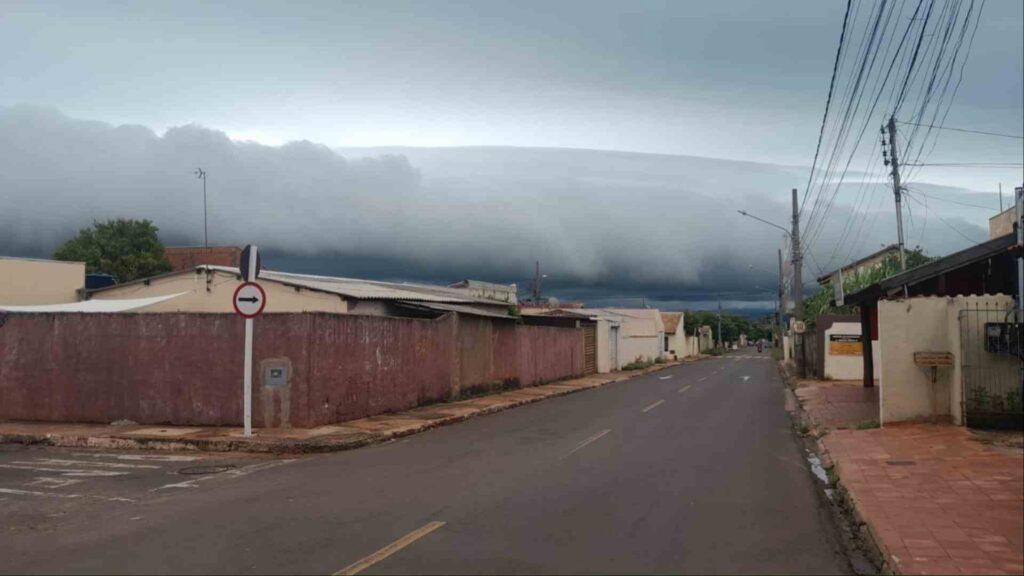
x,y
961,130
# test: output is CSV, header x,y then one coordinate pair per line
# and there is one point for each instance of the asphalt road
x,y
691,469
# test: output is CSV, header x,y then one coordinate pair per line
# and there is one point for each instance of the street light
x,y
749,215
201,174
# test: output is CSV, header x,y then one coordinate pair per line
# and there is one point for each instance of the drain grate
x,y
205,470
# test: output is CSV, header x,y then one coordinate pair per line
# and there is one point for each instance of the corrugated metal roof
x,y
97,306
469,310
368,289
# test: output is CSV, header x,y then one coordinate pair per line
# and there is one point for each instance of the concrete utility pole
x,y
536,285
897,186
782,294
201,174
798,258
1019,193
720,341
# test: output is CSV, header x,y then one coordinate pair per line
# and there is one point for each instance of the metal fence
x,y
992,363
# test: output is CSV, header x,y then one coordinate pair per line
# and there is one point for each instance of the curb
x,y
844,500
300,446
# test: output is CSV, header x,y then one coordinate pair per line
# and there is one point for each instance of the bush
x,y
638,363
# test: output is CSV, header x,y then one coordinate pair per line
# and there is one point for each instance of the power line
x,y
968,164
929,196
961,130
828,103
946,222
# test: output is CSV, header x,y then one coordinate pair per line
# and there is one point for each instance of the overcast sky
x,y
739,80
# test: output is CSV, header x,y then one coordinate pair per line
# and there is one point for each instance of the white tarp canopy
x,y
108,306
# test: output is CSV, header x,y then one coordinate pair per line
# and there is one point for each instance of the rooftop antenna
x,y
201,174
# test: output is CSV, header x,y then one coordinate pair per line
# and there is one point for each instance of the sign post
x,y
249,300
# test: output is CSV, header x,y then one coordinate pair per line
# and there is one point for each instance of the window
x,y
666,343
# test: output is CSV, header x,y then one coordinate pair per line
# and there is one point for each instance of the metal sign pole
x,y
247,381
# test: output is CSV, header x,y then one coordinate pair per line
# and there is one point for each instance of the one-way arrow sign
x,y
249,299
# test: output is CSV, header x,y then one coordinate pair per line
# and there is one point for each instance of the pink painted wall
x,y
186,369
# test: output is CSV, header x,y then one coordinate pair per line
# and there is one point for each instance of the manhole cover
x,y
900,463
204,470
12,447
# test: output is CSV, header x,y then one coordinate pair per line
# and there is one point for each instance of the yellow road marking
x,y
653,406
593,438
359,566
684,388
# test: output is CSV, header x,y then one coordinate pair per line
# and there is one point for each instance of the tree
x,y
732,325
124,248
822,302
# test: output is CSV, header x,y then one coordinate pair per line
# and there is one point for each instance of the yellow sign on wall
x,y
845,345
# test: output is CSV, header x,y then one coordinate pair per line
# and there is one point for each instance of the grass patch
x,y
870,424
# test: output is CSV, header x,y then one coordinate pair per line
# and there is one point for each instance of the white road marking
x,y
593,438
185,484
363,564
60,495
745,378
653,406
57,462
702,379
664,377
62,471
48,482
236,473
142,457
684,388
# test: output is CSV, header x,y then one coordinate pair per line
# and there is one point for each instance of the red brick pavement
x,y
936,501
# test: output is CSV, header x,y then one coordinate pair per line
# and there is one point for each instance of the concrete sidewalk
x,y
331,438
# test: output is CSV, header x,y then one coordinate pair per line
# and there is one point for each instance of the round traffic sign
x,y
249,299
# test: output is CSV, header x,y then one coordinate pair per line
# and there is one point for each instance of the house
x,y
601,333
642,333
677,345
25,281
948,345
209,288
864,264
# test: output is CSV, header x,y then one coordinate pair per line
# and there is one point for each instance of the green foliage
x,y
821,302
869,425
732,325
124,248
980,400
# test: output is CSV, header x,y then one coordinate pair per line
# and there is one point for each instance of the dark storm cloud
x,y
604,224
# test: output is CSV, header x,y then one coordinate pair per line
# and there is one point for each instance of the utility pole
x,y
720,342
782,293
1019,193
897,186
798,258
537,279
536,284
201,174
